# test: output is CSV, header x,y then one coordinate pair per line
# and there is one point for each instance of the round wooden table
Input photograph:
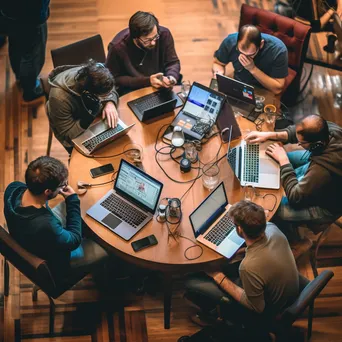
x,y
168,255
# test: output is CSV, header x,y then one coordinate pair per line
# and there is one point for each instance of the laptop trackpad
x,y
111,221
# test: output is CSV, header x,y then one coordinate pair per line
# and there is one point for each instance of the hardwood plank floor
x,y
198,27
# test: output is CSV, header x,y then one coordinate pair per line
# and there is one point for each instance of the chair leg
x,y
52,316
6,278
314,254
48,149
310,318
35,293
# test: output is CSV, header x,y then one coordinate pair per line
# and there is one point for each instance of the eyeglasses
x,y
63,185
150,40
301,143
247,55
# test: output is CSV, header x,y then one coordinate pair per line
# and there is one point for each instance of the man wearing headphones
x,y
143,55
78,94
311,176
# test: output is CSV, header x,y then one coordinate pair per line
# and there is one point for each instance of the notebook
x,y
99,134
131,204
212,225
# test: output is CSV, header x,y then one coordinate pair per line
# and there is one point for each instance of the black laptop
x,y
153,105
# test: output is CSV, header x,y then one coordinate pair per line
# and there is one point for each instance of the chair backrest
x,y
34,268
293,34
306,297
79,52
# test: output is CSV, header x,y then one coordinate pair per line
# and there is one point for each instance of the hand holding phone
x,y
101,170
145,242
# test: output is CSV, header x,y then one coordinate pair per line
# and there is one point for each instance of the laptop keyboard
x,y
221,230
149,101
232,158
124,210
251,170
91,143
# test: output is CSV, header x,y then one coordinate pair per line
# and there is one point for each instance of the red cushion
x,y
295,35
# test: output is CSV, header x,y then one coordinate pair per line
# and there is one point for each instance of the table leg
x,y
167,299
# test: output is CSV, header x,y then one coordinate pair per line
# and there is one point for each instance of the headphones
x,y
316,146
82,187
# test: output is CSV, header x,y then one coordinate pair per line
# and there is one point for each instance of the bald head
x,y
312,129
249,35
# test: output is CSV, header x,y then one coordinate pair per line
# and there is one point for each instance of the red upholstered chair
x,y
294,35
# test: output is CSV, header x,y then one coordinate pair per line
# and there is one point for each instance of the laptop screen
x,y
137,186
236,89
203,103
208,211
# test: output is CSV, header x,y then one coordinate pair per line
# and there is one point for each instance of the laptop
x,y
153,105
199,112
226,122
212,225
240,95
252,166
98,135
131,204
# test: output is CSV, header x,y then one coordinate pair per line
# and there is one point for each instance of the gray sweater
x,y
65,108
322,183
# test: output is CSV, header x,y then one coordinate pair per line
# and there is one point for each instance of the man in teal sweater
x,y
38,229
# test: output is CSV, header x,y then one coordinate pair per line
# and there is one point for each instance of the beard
x,y
144,47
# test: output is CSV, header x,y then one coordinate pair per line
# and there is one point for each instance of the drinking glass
x,y
270,117
186,85
249,192
211,175
190,151
133,152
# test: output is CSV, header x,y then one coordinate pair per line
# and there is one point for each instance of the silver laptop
x,y
212,225
252,166
98,135
131,204
241,96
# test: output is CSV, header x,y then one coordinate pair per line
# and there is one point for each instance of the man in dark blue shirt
x,y
258,59
39,229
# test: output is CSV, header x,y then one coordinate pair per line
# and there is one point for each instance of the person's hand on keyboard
x,y
111,114
277,152
256,137
156,80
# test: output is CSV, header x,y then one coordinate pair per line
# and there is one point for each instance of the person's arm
x,y
259,137
222,56
171,64
109,111
339,8
117,65
60,113
275,85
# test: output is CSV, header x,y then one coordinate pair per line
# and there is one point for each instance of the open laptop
x,y
212,225
252,166
131,204
153,105
199,112
98,135
240,95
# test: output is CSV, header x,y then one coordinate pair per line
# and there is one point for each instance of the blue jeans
x,y
288,218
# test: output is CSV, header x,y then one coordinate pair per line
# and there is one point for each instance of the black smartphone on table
x,y
101,170
145,242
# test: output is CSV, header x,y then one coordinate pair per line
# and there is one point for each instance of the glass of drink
x,y
190,151
211,175
249,192
186,85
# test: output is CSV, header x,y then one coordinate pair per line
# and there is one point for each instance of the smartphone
x,y
101,170
145,242
253,116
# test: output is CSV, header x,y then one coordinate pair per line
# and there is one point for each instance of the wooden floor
x,y
198,27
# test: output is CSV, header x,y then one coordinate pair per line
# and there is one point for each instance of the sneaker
x,y
300,247
203,320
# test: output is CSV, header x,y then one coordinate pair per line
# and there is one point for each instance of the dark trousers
x,y
26,49
207,295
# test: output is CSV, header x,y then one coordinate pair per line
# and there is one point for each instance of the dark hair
x,y
250,217
142,24
45,173
313,128
250,34
95,78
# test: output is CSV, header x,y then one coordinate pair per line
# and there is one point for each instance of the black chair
x,y
79,52
37,270
283,322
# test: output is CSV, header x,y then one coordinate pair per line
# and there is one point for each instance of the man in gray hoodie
x,y
312,176
78,94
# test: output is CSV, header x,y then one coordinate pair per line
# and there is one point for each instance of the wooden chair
x,y
294,35
37,270
46,88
